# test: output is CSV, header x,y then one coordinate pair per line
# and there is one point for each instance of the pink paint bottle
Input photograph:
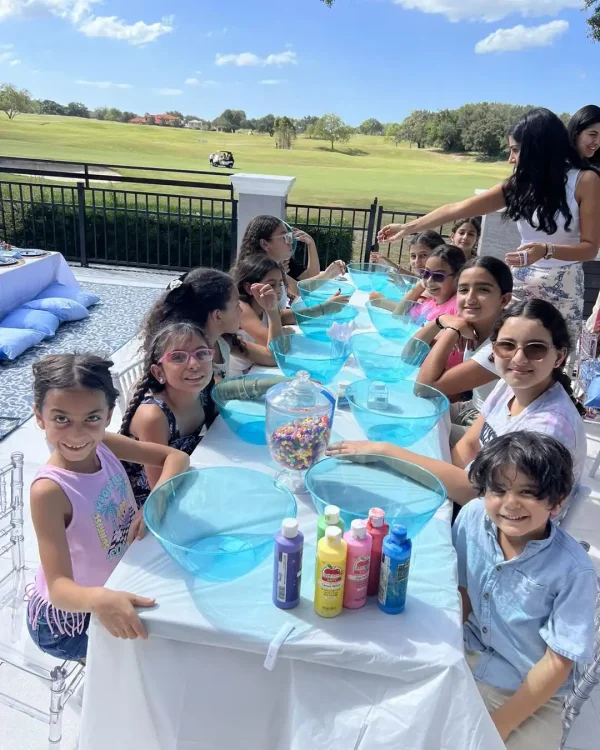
x,y
358,562
378,530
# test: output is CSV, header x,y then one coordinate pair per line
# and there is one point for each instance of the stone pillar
x,y
260,194
498,237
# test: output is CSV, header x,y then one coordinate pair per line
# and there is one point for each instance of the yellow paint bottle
x,y
330,573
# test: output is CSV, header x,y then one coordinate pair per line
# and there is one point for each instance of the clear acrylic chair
x,y
124,382
16,647
585,680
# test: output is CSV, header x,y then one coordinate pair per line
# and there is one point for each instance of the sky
x,y
359,59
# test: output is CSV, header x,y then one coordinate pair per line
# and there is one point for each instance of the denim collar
x,y
532,548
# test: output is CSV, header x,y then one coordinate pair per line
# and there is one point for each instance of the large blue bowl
x,y
398,286
244,412
395,325
319,326
321,359
388,359
413,410
369,277
356,483
218,523
321,290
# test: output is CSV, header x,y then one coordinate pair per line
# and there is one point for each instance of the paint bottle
x,y
330,573
395,564
378,530
358,562
289,545
330,517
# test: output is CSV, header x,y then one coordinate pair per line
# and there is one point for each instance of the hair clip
x,y
175,284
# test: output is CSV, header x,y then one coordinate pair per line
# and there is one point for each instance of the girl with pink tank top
x,y
82,506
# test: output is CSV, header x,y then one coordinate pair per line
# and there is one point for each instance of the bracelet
x,y
438,323
550,252
452,328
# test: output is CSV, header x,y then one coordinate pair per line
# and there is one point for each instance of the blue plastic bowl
x,y
398,286
388,359
320,290
413,410
356,483
244,415
369,277
218,523
318,326
394,325
321,359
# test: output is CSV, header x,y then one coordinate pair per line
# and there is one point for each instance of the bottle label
x,y
360,569
331,581
282,567
393,582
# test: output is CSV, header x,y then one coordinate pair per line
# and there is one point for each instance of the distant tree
x,y
444,131
77,109
415,127
594,20
48,107
175,113
371,127
149,119
303,122
394,132
310,131
266,124
13,101
99,113
126,116
285,132
333,129
231,120
328,2
114,115
565,117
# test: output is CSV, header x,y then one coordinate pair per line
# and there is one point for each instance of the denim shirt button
x,y
498,568
486,595
484,629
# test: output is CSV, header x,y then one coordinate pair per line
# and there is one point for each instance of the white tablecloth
x,y
362,680
20,284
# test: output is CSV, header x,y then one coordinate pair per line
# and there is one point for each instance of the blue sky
x,y
362,58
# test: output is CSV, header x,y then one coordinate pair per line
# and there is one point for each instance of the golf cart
x,y
222,159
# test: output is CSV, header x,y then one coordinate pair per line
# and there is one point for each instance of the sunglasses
x,y
534,351
287,237
180,357
438,276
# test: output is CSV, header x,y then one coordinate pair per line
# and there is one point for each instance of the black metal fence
x,y
105,225
398,252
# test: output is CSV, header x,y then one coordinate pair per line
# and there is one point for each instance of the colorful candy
x,y
298,445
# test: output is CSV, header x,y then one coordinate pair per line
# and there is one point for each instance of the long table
x,y
21,283
363,680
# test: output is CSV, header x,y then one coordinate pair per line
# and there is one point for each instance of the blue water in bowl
x,y
407,494
319,291
388,359
413,410
211,528
369,277
318,327
398,286
323,360
390,324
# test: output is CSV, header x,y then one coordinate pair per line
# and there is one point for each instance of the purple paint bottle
x,y
289,545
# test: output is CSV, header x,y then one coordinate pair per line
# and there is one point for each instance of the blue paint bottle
x,y
395,564
289,545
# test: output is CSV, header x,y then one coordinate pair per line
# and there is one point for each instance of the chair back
x,y
11,522
125,381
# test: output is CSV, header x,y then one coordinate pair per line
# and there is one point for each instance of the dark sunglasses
x,y
438,276
180,357
534,351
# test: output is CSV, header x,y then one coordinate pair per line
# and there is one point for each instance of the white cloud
x,y
12,63
521,37
250,59
5,56
111,27
168,92
272,81
459,10
104,84
191,81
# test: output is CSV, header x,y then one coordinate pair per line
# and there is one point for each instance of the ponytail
x,y
560,376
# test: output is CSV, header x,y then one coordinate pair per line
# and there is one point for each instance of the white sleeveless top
x,y
561,236
240,364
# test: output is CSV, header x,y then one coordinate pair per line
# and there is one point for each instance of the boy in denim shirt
x,y
528,588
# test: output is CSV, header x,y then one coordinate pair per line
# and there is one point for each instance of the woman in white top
x,y
530,344
554,199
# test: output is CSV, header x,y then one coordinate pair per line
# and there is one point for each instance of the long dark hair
x,y
536,191
475,222
260,228
451,255
583,119
429,238
554,323
250,270
62,371
496,268
162,341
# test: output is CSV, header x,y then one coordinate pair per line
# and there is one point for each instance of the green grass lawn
x,y
354,174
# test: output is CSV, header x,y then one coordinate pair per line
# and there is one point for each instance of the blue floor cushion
x,y
14,341
64,309
87,299
35,320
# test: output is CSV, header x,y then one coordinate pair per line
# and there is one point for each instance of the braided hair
x,y
162,342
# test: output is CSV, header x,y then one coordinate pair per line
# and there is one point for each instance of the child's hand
x,y
339,298
337,268
138,529
116,612
265,295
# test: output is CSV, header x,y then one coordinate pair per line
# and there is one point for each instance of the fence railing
x,y
117,226
398,252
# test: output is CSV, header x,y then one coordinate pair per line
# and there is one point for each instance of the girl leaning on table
x,y
528,588
83,510
530,342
